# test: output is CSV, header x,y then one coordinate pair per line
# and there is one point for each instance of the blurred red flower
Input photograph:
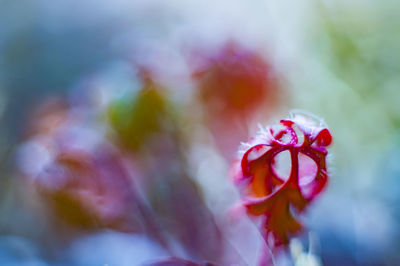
x,y
235,81
232,84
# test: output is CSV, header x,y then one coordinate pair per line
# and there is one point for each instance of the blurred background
x,y
120,120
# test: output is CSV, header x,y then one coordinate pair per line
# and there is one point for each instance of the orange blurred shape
x,y
235,81
236,86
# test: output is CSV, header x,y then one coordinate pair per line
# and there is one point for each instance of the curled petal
x,y
265,192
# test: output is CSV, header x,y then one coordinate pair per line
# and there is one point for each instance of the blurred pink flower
x,y
80,174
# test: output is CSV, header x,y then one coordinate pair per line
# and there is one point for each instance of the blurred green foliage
x,y
137,119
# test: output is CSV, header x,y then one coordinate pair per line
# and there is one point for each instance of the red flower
x,y
267,193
